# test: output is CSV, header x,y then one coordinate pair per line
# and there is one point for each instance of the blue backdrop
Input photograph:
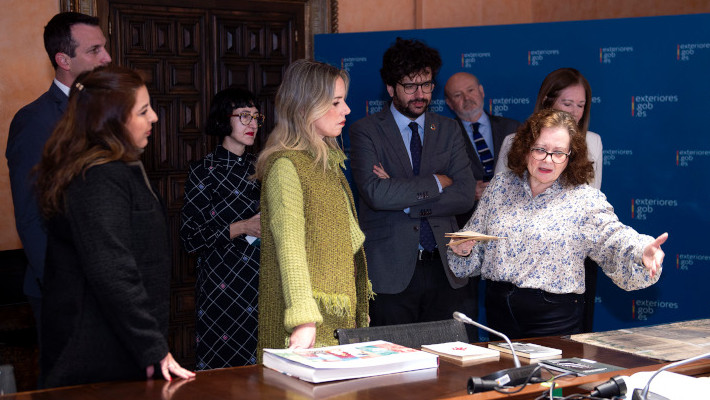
x,y
650,80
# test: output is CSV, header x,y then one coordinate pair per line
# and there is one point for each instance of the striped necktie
x,y
484,153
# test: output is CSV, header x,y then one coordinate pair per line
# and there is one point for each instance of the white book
x,y
356,360
461,353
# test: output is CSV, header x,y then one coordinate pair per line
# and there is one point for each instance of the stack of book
x,y
356,360
461,353
527,353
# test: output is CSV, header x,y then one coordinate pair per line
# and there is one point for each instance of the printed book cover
x,y
461,353
526,350
579,366
348,361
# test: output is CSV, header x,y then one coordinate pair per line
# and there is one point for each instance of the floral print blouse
x,y
547,238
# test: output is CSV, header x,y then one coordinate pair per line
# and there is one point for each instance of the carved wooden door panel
x,y
187,52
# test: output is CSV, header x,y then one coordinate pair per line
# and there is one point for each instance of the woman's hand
x,y
653,255
251,227
379,170
303,336
462,249
168,365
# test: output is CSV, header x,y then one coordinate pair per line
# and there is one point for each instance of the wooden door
x,y
187,51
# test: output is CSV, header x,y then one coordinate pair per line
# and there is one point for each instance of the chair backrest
x,y
409,335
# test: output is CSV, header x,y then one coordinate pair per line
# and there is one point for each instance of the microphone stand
x,y
512,376
643,394
466,320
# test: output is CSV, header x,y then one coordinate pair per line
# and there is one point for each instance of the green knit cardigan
x,y
308,271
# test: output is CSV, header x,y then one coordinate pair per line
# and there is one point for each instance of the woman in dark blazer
x,y
106,287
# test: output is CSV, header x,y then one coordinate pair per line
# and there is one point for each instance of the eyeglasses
x,y
245,118
411,88
558,157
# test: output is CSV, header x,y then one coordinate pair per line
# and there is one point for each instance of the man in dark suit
x,y
74,44
483,136
413,177
465,97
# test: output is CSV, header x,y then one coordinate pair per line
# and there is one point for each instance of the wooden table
x,y
448,381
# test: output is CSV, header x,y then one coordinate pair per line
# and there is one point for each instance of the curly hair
x,y
223,105
406,57
579,169
91,132
559,80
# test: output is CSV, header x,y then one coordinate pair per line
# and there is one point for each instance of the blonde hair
x,y
305,95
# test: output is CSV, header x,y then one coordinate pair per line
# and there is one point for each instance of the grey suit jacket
x,y
29,130
500,128
391,235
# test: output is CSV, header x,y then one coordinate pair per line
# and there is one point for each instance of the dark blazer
x,y
391,235
107,280
500,128
29,131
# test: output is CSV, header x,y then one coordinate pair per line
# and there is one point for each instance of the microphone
x,y
510,377
646,395
466,320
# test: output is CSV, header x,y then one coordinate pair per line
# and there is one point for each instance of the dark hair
x,y
91,132
406,57
579,169
57,33
223,104
559,80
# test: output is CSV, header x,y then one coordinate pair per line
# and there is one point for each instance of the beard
x,y
411,109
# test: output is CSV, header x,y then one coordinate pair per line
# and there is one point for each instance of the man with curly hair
x,y
413,175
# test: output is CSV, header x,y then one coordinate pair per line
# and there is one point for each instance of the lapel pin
x,y
432,127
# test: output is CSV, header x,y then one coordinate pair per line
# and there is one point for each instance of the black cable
x,y
528,380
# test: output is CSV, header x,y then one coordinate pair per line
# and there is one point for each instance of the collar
x,y
554,189
221,154
63,87
403,122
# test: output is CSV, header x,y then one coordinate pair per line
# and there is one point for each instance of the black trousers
x,y
428,297
523,313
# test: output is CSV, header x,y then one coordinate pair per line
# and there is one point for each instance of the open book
x,y
348,361
461,353
460,237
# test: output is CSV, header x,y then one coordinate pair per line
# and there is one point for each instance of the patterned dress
x,y
219,192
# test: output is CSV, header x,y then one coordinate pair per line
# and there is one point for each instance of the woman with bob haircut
x,y
550,221
313,276
220,221
107,279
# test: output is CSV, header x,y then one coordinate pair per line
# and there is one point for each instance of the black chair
x,y
408,335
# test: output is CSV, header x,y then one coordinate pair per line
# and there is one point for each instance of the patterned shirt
x,y
548,237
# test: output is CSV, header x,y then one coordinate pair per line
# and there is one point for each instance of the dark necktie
x,y
484,153
426,235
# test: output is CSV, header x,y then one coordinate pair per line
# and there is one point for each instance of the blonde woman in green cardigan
x,y
313,276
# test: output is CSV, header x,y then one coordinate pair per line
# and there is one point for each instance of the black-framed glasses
x,y
411,88
558,157
245,118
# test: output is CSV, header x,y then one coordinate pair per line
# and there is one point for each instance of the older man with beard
x,y
483,132
413,176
